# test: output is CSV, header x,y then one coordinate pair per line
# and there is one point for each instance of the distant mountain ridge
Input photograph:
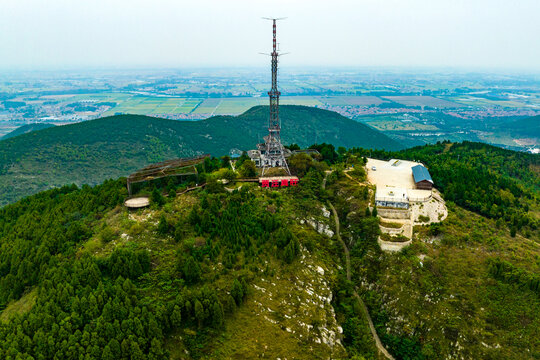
x,y
26,129
92,151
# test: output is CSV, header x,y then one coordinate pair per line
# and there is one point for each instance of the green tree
x,y
293,147
237,292
108,234
213,186
241,159
114,345
192,271
136,352
157,198
217,314
156,350
163,226
179,231
107,353
226,161
300,163
288,254
248,169
199,312
176,317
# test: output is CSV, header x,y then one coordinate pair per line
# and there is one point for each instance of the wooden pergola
x,y
176,167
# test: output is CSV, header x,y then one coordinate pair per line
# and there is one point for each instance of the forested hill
x,y
81,277
92,151
239,272
26,129
528,127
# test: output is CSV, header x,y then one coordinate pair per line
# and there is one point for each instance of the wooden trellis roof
x,y
183,166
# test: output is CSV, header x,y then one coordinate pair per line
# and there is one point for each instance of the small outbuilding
x,y
422,178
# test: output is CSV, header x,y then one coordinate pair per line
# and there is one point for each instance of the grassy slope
x,y
20,306
440,292
92,151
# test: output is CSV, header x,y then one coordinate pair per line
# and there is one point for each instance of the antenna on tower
x,y
273,149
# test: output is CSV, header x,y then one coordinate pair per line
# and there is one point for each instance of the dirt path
x,y
345,248
378,342
365,183
353,179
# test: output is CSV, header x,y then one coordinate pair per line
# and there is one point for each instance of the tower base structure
x,y
275,157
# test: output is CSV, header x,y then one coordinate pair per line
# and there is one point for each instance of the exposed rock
x,y
325,212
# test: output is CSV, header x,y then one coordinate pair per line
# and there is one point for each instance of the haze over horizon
x,y
419,33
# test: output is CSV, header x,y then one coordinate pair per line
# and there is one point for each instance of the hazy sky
x,y
176,33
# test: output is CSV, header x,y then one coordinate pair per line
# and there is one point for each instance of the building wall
x,y
394,213
425,185
393,204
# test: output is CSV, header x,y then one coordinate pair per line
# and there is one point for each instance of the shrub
x,y
163,226
248,169
108,234
157,198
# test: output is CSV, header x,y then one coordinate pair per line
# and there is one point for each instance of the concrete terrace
x,y
395,185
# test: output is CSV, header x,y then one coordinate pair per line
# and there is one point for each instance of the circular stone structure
x,y
138,202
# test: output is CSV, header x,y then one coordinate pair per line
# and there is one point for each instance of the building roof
x,y
420,173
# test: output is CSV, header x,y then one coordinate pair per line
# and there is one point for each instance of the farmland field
x,y
423,101
188,106
296,100
479,102
350,100
395,123
143,104
237,105
208,106
348,105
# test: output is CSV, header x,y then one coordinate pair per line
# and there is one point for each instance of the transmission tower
x,y
274,156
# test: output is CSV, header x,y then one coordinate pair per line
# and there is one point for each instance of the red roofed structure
x,y
278,181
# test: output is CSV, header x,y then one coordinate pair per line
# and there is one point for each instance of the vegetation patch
x,y
391,225
394,238
20,306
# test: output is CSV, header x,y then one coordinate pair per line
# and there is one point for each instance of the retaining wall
x,y
394,213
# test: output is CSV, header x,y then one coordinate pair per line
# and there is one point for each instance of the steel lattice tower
x,y
274,156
